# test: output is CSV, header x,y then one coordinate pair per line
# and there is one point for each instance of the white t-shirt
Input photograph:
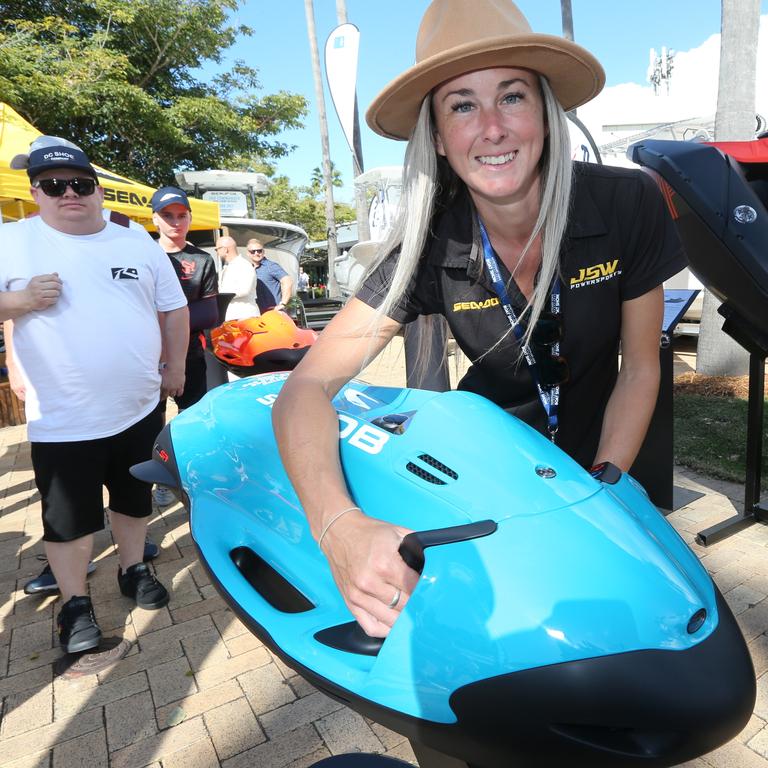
x,y
239,277
90,361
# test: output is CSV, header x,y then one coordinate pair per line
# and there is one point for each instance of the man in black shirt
x,y
172,215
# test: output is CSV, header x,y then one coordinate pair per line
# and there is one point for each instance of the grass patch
x,y
711,436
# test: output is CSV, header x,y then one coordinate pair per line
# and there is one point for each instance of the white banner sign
x,y
231,204
341,50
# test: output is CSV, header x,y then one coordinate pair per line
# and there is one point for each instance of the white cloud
x,y
692,93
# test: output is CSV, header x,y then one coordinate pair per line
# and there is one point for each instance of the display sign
x,y
232,204
341,51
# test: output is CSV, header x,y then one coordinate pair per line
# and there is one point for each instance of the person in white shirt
x,y
238,277
86,297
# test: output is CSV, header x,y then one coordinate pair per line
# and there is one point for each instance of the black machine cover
x,y
720,206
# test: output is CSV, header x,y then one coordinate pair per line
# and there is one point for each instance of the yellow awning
x,y
120,193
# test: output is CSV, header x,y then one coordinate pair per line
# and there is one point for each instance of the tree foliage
x,y
317,181
119,78
299,206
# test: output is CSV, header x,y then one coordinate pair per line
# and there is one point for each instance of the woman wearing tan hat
x,y
540,266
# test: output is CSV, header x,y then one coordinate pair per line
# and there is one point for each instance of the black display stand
x,y
654,465
215,372
756,343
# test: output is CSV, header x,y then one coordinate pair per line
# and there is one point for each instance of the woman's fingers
x,y
373,579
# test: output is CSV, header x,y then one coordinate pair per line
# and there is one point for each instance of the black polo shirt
x,y
619,244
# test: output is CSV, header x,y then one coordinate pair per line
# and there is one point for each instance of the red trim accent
x,y
743,151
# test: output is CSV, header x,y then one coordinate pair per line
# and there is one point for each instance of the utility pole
x,y
330,215
361,204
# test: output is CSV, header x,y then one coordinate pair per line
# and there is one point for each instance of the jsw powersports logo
x,y
598,273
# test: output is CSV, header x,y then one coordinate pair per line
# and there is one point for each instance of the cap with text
x,y
49,153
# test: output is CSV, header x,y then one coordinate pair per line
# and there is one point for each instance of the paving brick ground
x,y
198,690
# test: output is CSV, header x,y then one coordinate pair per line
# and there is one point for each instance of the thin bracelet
x,y
333,520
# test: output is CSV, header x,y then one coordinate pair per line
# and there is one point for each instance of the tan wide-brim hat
x,y
460,36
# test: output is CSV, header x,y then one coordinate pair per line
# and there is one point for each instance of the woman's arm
x,y
361,551
633,399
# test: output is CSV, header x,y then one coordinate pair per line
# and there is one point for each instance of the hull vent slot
x,y
432,477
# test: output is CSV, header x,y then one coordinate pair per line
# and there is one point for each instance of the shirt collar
x,y
456,241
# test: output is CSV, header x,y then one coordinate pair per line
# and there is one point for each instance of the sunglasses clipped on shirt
x,y
553,370
81,186
255,250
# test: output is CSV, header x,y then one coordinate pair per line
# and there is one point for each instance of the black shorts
x,y
70,477
195,384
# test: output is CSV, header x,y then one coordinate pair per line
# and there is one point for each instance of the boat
x,y
284,243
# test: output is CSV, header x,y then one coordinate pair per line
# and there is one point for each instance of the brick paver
x,y
198,689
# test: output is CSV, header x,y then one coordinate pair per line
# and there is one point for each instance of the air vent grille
x,y
423,474
430,477
438,465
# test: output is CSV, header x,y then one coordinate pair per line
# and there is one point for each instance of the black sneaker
x,y
46,582
78,630
139,583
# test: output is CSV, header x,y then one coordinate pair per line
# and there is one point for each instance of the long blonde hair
x,y
429,184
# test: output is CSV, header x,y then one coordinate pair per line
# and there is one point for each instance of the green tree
x,y
299,206
118,77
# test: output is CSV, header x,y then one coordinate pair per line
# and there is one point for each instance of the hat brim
x,y
36,170
574,74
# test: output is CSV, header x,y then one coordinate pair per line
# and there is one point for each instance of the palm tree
x,y
317,181
717,354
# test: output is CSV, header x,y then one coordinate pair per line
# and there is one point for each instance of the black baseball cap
x,y
168,196
47,153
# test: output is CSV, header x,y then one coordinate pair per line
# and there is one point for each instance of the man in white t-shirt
x,y
85,295
238,277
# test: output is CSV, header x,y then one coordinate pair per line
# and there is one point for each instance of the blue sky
x,y
619,32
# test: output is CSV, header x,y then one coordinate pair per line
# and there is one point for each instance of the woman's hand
x,y
369,572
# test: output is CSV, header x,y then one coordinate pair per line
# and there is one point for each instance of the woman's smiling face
x,y
490,127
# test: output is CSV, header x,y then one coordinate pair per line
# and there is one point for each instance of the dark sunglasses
x,y
256,250
553,370
57,187
548,330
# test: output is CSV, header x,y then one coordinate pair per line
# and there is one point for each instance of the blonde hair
x,y
429,184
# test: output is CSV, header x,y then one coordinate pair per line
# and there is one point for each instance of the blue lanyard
x,y
550,398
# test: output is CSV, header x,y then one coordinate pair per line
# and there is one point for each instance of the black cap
x,y
48,153
168,196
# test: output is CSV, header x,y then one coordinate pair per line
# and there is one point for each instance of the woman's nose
x,y
493,126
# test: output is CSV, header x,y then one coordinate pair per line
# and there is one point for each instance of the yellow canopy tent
x,y
120,194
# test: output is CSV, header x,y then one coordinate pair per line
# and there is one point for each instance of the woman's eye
x,y
462,106
512,98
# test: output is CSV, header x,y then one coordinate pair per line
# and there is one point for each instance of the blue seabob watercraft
x,y
559,619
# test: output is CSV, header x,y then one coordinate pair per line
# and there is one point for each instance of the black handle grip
x,y
350,637
413,545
